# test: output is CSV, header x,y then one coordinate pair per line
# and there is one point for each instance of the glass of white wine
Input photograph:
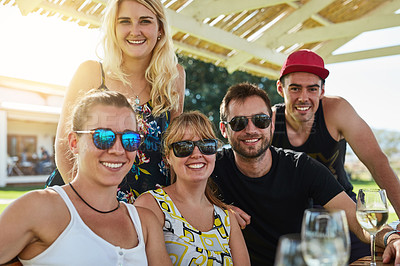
x,y
372,213
325,237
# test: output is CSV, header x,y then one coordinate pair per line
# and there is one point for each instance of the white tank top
x,y
79,245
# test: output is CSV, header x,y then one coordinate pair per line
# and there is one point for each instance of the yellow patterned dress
x,y
188,246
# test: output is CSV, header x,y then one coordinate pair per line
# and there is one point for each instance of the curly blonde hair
x,y
162,72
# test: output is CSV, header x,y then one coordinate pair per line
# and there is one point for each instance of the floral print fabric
x,y
149,170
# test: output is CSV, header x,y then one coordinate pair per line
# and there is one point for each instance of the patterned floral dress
x,y
188,246
149,170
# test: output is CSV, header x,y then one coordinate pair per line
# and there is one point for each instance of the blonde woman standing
x,y
140,63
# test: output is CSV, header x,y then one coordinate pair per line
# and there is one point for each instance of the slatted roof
x,y
250,35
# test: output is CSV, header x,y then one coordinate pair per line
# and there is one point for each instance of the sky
x,y
49,50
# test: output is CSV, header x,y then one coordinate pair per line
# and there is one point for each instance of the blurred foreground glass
x,y
372,213
325,237
289,252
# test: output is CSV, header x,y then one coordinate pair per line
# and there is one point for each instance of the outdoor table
x,y
367,259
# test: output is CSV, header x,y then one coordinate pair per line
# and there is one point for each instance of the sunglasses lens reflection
x,y
208,147
183,148
131,140
261,121
104,139
238,123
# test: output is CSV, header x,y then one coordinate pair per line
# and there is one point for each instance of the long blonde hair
x,y
162,72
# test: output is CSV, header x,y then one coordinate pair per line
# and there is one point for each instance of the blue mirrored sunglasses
x,y
104,138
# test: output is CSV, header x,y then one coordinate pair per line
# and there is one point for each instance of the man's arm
x,y
343,122
343,202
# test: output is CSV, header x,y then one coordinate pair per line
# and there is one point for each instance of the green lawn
x,y
363,184
2,207
14,192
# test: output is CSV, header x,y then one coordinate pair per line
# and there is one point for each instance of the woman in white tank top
x,y
82,223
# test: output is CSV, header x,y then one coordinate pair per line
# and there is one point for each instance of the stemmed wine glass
x,y
372,213
325,236
288,252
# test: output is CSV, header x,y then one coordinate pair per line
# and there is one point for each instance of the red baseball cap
x,y
305,61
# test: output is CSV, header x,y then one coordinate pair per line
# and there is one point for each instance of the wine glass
x,y
325,236
288,252
372,213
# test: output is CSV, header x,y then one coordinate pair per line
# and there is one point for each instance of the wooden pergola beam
x,y
279,29
340,30
367,54
199,9
27,6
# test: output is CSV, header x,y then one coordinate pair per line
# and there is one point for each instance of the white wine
x,y
372,220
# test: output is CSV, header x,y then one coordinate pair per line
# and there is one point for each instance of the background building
x,y
29,113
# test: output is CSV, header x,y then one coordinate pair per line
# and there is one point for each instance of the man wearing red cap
x,y
320,125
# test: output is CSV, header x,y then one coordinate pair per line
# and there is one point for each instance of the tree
x,y
389,141
206,85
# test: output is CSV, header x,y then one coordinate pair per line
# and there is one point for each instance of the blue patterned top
x,y
149,170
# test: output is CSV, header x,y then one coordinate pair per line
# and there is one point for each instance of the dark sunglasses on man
x,y
186,147
104,138
239,123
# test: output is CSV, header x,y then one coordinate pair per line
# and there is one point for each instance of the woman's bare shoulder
x,y
88,76
90,65
37,206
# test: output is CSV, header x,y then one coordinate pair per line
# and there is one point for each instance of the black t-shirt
x,y
276,201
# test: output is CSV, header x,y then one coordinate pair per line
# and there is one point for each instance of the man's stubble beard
x,y
251,154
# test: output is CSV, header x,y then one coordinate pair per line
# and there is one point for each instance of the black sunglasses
x,y
185,148
104,138
239,123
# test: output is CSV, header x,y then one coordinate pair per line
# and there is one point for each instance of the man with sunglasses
x,y
319,125
272,185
